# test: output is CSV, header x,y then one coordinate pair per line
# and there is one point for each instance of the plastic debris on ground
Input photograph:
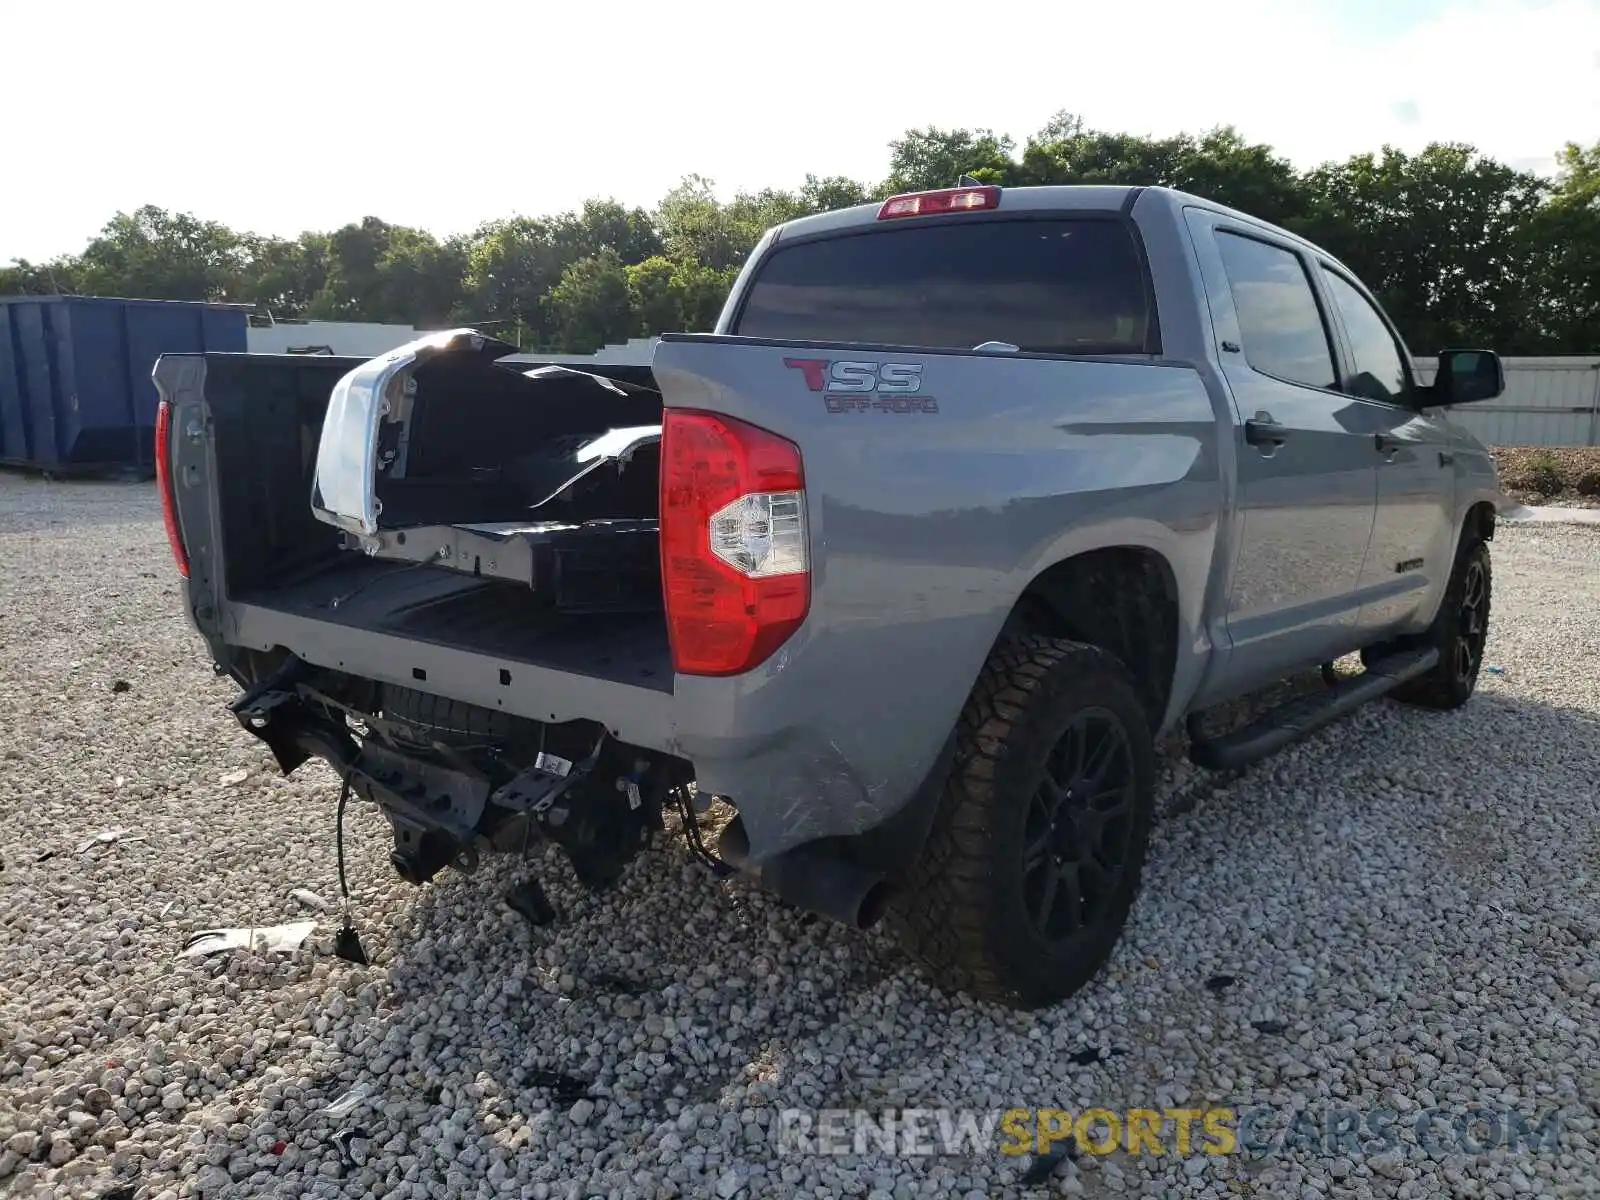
x,y
344,1105
105,837
310,899
264,939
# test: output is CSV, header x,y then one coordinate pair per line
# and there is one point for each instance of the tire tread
x,y
944,913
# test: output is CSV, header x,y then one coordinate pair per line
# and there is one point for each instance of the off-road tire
x,y
961,910
1450,683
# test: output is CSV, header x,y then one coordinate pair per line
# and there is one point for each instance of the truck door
x,y
1413,532
1307,469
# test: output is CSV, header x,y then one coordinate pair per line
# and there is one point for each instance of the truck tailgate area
x,y
551,634
450,610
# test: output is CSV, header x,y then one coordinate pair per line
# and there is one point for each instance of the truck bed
x,y
448,609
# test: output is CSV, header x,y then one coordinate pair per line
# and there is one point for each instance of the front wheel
x,y
1033,862
1459,632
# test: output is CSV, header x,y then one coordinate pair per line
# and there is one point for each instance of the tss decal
x,y
865,386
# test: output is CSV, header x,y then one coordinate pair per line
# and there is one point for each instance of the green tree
x,y
1219,166
1440,236
937,158
159,255
696,228
589,306
833,192
23,278
655,296
1562,248
704,289
381,272
1459,247
606,225
511,267
282,276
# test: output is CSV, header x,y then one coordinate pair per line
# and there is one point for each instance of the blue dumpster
x,y
75,389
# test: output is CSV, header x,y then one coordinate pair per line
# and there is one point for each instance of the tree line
x,y
1462,249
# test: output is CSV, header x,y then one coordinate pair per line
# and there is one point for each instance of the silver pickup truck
x,y
972,495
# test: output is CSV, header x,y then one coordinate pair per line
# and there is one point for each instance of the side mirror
x,y
1467,376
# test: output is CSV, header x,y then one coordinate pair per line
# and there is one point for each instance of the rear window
x,y
1068,286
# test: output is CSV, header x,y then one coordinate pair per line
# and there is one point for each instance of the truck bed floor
x,y
445,608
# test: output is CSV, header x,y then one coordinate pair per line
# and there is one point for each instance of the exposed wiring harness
x,y
691,831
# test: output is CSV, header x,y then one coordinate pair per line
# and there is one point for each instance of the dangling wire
x,y
346,943
691,830
338,842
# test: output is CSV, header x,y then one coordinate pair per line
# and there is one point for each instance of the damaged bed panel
x,y
438,432
376,394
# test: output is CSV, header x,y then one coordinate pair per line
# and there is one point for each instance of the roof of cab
x,y
1048,198
1077,197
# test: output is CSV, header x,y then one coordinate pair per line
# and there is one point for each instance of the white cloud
x,y
296,114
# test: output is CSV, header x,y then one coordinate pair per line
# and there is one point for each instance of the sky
x,y
284,115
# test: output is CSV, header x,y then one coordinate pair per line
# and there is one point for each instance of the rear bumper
x,y
637,715
792,781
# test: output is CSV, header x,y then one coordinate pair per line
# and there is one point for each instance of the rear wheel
x,y
1034,858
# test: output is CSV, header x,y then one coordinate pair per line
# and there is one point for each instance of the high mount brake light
x,y
169,509
946,200
735,558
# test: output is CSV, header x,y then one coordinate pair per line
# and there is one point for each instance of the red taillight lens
x,y
946,200
169,509
735,559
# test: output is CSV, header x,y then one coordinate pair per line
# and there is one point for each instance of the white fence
x,y
1547,402
358,339
635,352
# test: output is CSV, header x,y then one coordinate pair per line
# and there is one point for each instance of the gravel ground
x,y
1401,913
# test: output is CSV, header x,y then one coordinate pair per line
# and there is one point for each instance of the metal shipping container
x,y
75,389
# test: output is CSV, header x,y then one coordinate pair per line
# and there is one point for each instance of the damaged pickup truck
x,y
971,497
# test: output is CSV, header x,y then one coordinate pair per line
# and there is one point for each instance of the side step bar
x,y
1274,730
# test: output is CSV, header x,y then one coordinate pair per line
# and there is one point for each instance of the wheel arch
x,y
1124,599
1478,521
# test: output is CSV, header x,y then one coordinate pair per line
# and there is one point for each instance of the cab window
x,y
1380,370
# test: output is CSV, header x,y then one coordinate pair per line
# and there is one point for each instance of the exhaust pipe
x,y
812,877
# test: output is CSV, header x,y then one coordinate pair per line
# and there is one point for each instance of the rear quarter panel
x,y
926,526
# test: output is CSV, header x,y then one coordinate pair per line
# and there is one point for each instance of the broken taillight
x,y
169,508
735,558
945,200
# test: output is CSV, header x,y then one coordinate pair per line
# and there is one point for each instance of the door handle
x,y
1386,445
1446,458
1262,430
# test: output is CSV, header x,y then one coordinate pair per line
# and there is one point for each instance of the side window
x,y
1279,321
1380,370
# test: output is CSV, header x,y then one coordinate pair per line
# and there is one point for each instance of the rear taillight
x,y
169,509
946,200
735,560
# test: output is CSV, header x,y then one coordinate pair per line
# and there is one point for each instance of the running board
x,y
1274,730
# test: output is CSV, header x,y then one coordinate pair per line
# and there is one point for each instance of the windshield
x,y
1071,285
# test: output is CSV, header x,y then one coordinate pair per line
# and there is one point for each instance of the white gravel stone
x,y
1413,899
